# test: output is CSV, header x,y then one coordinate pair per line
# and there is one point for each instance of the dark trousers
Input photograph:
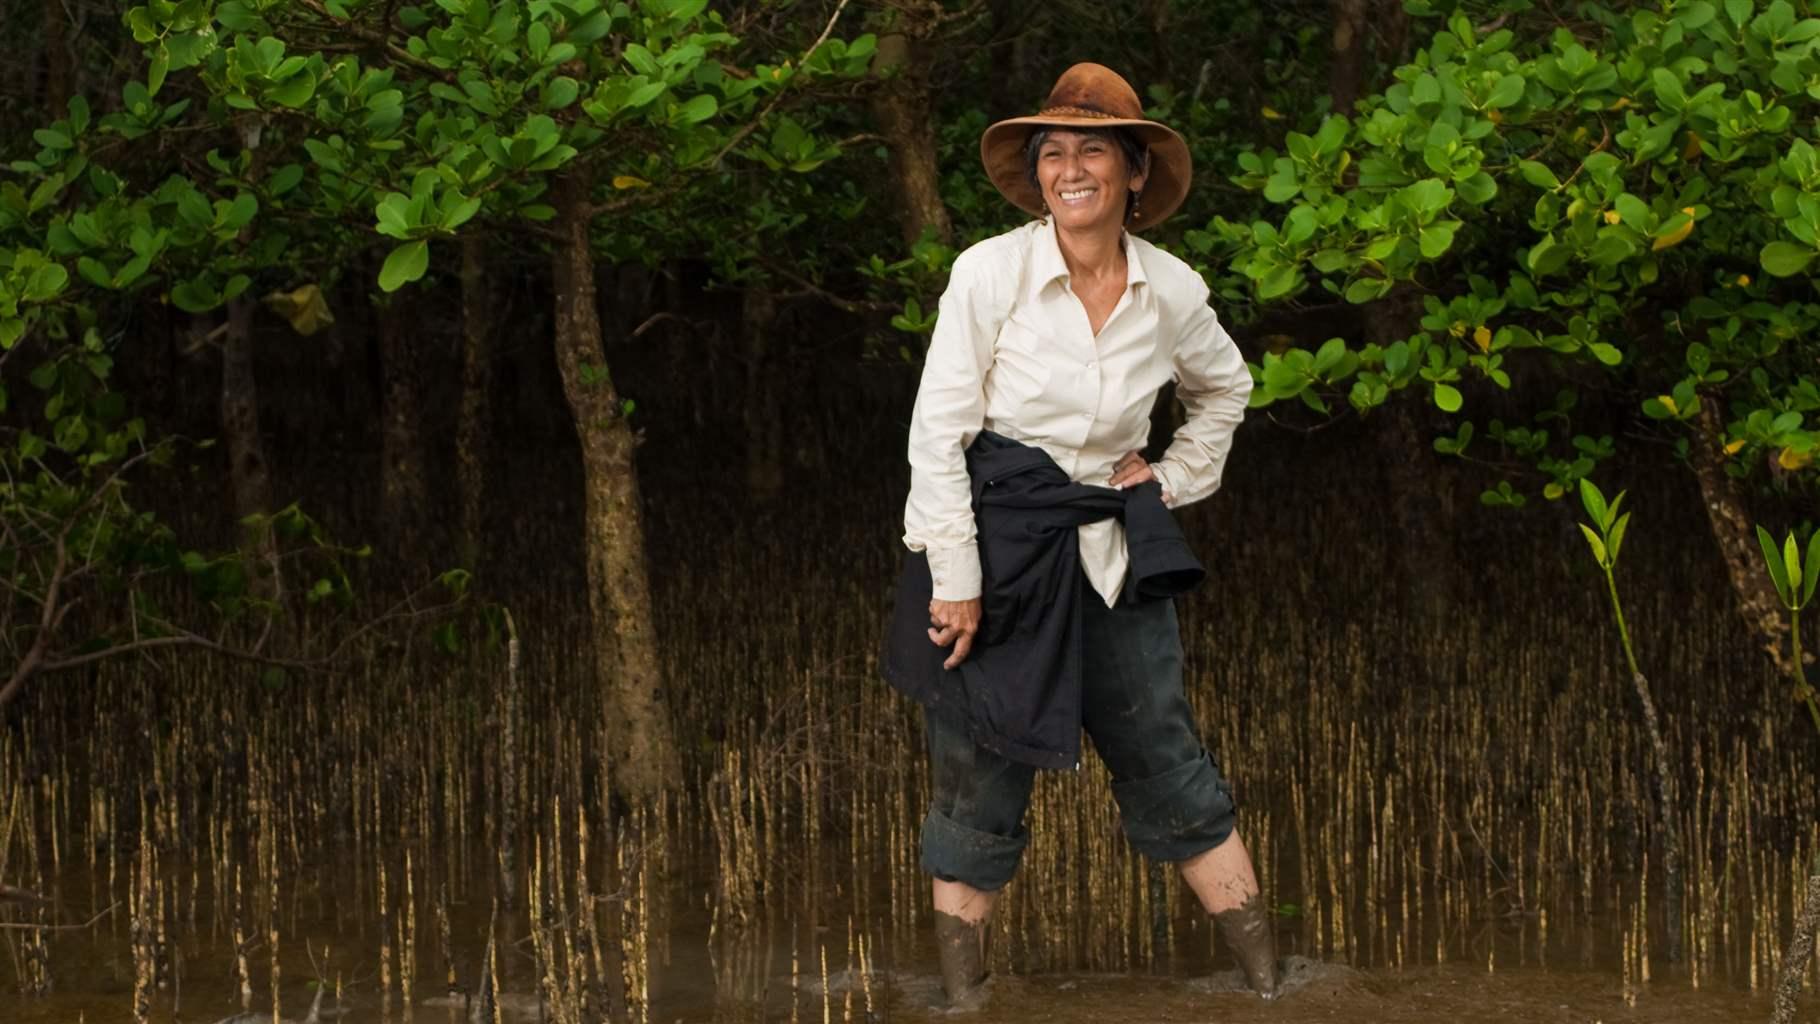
x,y
1172,799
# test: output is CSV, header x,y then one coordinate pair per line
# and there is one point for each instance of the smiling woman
x,y
1091,100
1062,152
1053,343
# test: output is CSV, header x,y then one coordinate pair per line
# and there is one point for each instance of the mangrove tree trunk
x,y
1346,75
764,420
249,473
403,478
643,753
474,426
902,108
1800,951
1736,536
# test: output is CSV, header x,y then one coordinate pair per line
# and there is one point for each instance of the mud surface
x,y
700,985
1321,992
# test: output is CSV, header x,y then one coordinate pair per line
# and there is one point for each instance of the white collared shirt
x,y
1044,378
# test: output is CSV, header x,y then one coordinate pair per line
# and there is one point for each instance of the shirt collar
x,y
1048,265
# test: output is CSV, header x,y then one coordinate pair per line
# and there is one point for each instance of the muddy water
x,y
1197,991
686,994
792,969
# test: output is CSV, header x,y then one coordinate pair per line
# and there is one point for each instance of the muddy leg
x,y
961,912
1227,886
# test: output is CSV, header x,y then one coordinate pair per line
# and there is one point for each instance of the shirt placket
x,y
1093,394
1089,381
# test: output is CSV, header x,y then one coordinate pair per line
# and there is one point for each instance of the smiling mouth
x,y
1076,195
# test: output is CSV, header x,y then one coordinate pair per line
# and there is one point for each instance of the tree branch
x,y
810,289
752,126
50,615
28,926
393,50
181,637
48,619
659,317
185,639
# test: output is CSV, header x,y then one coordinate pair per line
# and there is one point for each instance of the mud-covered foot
x,y
972,999
962,947
1294,974
1247,929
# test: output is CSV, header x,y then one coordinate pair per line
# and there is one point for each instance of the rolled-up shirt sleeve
x,y
950,411
1214,386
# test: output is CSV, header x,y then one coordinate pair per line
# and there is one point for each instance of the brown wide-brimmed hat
x,y
1091,96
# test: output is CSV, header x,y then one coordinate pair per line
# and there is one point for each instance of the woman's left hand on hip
x,y
1131,470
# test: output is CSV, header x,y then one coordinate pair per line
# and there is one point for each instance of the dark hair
x,y
1129,145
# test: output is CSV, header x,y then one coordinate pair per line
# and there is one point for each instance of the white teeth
x,y
1080,194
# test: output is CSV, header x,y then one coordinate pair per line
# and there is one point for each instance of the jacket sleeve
x,y
950,410
1214,385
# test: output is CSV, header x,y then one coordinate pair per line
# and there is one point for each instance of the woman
x,y
1059,335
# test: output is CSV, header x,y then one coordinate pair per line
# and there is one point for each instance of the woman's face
x,y
1084,180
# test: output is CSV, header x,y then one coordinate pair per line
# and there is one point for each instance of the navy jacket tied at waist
x,y
1020,690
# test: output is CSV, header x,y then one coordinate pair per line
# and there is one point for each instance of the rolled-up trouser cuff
x,y
955,853
1183,812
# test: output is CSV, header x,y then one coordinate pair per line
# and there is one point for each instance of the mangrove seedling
x,y
1794,580
1605,536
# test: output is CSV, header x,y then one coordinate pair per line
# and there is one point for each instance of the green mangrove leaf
x,y
1597,545
1810,575
1772,558
1594,502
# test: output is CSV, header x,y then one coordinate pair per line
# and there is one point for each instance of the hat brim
x,y
1171,166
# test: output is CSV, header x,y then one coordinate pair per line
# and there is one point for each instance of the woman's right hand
x,y
954,622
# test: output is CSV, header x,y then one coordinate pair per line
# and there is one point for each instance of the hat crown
x,y
1095,89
